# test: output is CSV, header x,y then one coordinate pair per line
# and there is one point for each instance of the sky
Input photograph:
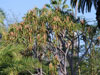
x,y
16,9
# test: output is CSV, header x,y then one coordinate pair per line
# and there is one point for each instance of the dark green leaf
x,y
47,5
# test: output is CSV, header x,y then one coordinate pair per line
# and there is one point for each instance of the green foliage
x,y
2,17
12,61
46,40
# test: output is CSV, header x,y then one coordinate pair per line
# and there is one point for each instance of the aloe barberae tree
x,y
50,35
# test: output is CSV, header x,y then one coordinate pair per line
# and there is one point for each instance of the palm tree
x,y
82,4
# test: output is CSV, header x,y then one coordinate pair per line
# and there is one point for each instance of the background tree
x,y
2,16
82,4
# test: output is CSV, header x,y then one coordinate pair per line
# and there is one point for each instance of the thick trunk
x,y
98,13
72,65
65,66
65,63
76,8
41,71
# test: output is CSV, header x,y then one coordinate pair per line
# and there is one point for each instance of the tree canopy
x,y
50,41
